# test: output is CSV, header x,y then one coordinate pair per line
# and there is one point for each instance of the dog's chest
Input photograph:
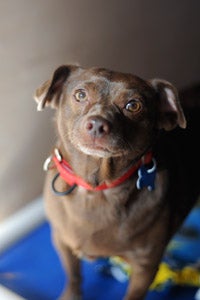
x,y
90,218
99,224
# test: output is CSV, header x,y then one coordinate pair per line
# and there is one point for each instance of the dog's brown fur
x,y
101,133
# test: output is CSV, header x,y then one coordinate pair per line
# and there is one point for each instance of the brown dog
x,y
128,176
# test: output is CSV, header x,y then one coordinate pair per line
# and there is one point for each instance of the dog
x,y
124,173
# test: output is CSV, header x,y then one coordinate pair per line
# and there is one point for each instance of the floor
x,y
32,270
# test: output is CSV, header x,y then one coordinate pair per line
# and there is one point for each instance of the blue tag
x,y
146,177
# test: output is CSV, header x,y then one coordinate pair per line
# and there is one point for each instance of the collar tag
x,y
146,176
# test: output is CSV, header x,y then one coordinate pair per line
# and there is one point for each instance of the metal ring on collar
x,y
57,154
57,193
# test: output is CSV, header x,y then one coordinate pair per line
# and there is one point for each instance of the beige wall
x,y
149,38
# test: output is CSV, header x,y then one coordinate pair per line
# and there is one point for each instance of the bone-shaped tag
x,y
146,177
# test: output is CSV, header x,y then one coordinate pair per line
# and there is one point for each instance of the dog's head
x,y
104,113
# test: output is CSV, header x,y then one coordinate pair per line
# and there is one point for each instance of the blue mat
x,y
31,268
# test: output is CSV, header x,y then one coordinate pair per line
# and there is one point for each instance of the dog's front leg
x,y
71,265
140,280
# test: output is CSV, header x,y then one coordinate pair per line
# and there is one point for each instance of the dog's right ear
x,y
49,93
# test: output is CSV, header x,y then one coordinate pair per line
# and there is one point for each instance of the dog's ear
x,y
49,93
170,110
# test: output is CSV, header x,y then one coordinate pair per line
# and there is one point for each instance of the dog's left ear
x,y
170,110
49,93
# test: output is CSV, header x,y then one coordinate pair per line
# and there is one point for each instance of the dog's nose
x,y
97,126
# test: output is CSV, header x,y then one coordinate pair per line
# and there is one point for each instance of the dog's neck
x,y
94,170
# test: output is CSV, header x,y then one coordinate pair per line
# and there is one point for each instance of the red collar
x,y
67,174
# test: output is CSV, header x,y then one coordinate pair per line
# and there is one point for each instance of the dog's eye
x,y
134,106
80,95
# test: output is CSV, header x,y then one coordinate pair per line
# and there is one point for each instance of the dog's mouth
x,y
100,150
111,145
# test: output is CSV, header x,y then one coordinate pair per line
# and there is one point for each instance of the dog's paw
x,y
70,296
